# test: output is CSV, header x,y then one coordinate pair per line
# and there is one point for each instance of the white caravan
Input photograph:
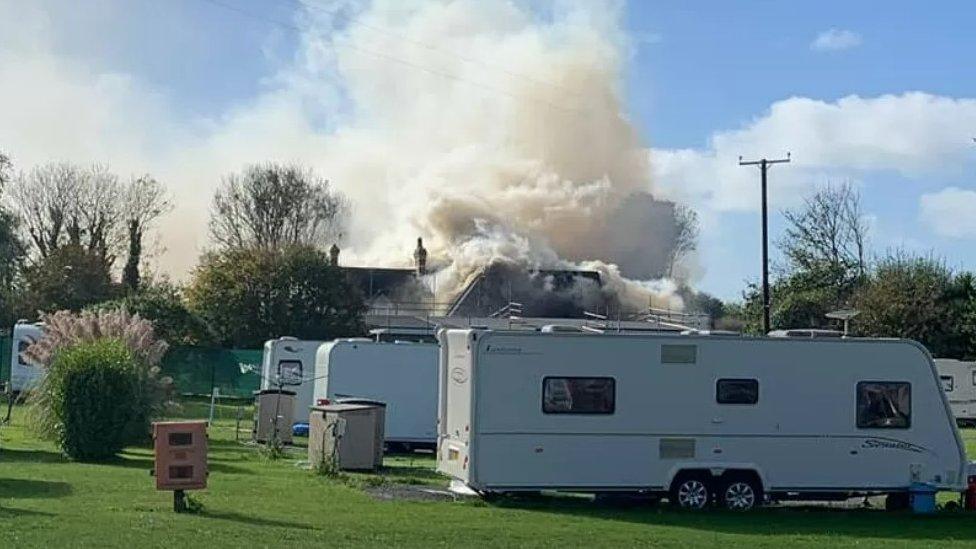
x,y
290,363
694,418
402,374
959,383
23,374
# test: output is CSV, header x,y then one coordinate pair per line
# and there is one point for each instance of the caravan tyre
x,y
740,495
691,493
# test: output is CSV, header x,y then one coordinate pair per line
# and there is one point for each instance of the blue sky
x,y
886,99
717,65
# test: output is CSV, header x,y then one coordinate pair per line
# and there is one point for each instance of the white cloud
x,y
950,212
913,134
835,40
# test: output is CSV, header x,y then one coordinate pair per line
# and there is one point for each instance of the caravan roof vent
x,y
806,333
555,328
728,333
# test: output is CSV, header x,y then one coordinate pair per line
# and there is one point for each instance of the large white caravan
x,y
959,383
23,374
694,418
290,363
403,375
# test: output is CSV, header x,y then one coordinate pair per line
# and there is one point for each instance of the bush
x,y
85,347
93,391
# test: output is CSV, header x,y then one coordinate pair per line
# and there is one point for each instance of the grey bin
x,y
267,403
351,433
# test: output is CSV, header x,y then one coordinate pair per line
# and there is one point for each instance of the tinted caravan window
x,y
290,372
948,383
884,405
21,349
737,391
578,395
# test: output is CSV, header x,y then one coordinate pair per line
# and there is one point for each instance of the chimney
x,y
334,255
420,258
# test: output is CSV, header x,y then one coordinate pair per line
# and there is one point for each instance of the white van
x,y
403,375
958,380
23,374
290,362
694,418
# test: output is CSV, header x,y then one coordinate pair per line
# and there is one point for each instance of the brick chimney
x,y
334,255
420,258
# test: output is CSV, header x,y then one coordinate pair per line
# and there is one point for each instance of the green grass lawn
x,y
46,500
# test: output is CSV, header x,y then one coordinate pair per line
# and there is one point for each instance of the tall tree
x,y
829,229
824,245
270,206
686,236
11,249
250,295
71,277
145,201
62,204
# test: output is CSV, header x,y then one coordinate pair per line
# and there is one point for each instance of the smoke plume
x,y
511,147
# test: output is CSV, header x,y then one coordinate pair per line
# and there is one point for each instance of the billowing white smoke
x,y
494,132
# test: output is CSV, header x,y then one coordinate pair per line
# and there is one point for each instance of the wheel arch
x,y
716,472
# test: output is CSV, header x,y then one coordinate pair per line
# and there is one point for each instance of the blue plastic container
x,y
923,497
299,429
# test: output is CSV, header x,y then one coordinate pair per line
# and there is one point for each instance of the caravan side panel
x,y
292,361
800,434
958,379
403,375
457,377
24,375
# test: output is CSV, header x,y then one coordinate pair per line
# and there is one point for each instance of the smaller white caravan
x,y
694,418
23,374
958,380
290,363
403,375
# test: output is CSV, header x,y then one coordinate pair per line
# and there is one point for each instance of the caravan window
x,y
21,349
737,391
290,372
948,383
884,405
578,395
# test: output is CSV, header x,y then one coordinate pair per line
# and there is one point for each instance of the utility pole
x,y
764,165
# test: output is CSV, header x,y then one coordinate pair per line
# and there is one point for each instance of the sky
x,y
192,89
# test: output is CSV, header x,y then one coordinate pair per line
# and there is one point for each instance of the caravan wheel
x,y
740,495
691,493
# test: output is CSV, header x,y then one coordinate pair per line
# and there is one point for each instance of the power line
x,y
381,55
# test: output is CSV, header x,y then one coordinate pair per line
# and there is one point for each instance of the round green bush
x,y
94,394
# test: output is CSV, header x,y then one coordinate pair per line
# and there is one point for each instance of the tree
x,y
71,277
271,206
63,204
919,298
824,245
251,295
5,168
163,304
829,230
11,249
686,236
145,201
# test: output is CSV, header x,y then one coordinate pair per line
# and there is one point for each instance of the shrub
x,y
92,391
69,333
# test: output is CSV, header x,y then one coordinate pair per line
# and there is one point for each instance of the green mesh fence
x,y
235,372
5,343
